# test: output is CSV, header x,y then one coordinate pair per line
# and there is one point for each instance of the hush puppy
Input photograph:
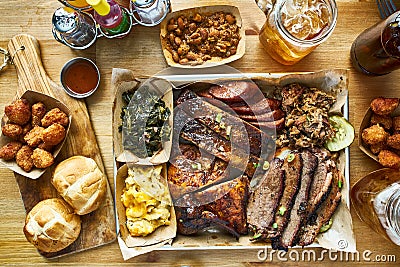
x,y
19,111
374,135
35,136
384,121
9,151
389,159
42,158
38,112
14,131
376,148
55,115
396,124
384,106
53,134
24,158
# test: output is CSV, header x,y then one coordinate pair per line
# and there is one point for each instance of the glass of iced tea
x,y
294,28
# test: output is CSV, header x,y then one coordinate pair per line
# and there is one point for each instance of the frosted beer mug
x,y
294,28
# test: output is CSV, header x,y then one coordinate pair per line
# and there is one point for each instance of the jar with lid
x,y
294,28
376,200
376,51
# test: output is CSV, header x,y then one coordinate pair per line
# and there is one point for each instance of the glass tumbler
x,y
294,28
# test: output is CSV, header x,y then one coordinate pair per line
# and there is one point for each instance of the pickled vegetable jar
x,y
376,200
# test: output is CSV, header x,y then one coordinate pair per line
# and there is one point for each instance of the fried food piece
x,y
55,115
389,159
54,134
376,148
384,121
394,141
46,146
384,106
12,130
19,111
42,158
38,111
35,136
374,135
396,123
9,151
24,158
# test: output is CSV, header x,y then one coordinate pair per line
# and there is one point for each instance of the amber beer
x,y
294,28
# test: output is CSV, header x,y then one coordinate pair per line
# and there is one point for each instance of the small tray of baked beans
x,y
379,135
34,128
202,37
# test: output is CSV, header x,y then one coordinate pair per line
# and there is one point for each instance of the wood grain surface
x,y
141,52
98,227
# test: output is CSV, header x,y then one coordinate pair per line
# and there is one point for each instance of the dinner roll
x,y
80,182
52,225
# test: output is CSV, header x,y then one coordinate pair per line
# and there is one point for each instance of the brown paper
x,y
160,236
334,81
50,102
215,61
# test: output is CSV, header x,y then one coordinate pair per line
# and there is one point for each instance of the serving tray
x,y
341,231
98,227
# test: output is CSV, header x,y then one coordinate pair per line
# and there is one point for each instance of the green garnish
x,y
275,225
256,165
290,157
222,125
256,236
282,210
266,165
326,226
340,183
228,130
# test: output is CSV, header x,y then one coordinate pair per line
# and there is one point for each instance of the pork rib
x,y
265,199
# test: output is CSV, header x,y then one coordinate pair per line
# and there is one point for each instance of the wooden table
x,y
141,52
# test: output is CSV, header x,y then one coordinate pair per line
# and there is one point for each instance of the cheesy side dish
x,y
146,199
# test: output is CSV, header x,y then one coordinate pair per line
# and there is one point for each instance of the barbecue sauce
x,y
81,77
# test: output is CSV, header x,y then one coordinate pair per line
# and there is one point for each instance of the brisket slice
x,y
292,183
322,215
298,212
264,200
321,185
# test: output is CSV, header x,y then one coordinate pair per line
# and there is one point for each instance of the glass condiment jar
x,y
294,28
376,51
376,200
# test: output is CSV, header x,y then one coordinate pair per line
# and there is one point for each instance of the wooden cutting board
x,y
98,227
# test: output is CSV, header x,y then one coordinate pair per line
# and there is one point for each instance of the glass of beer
x,y
294,28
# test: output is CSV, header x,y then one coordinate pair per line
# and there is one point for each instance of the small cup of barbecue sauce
x,y
80,77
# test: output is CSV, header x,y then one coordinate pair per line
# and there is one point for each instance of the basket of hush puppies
x,y
379,135
34,128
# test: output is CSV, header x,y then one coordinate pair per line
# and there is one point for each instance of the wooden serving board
x,y
98,227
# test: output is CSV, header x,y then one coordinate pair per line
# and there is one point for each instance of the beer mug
x,y
74,29
150,12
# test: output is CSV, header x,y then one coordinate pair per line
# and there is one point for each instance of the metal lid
x,y
65,19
